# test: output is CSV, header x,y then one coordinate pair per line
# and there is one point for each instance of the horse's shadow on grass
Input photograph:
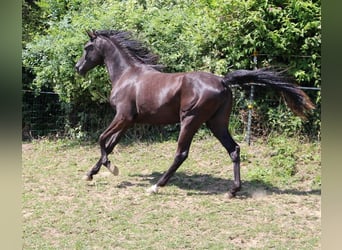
x,y
205,184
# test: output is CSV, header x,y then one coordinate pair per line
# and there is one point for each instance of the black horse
x,y
142,94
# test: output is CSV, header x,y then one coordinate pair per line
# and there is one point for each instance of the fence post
x,y
251,99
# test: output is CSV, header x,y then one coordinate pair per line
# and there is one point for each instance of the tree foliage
x,y
208,35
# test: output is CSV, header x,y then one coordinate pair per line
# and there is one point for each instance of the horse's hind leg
x,y
189,127
220,131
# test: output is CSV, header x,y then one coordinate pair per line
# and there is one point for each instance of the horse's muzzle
x,y
79,70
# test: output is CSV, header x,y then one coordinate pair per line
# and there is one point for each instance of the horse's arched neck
x,y
116,62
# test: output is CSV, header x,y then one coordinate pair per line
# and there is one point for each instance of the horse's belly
x,y
160,116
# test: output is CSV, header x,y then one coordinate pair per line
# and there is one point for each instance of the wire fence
x,y
251,103
42,115
45,115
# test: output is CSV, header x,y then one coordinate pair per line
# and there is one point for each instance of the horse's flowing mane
x,y
134,48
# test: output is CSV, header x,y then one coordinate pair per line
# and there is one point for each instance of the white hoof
x,y
153,189
114,170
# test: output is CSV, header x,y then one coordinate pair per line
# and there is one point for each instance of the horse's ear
x,y
91,34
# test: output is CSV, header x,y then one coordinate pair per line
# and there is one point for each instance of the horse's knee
x,y
102,137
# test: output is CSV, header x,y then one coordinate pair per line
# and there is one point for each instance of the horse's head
x,y
91,55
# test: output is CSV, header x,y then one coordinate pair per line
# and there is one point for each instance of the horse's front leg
x,y
105,151
189,127
108,140
94,170
110,144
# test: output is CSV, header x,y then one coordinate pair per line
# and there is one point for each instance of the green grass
x,y
273,210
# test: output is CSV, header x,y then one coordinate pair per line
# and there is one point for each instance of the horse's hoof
x,y
87,178
230,195
114,170
153,189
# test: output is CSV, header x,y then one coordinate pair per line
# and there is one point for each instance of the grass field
x,y
277,208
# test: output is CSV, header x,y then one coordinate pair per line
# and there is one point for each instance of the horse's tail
x,y
294,97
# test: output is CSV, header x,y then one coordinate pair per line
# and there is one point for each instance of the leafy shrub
x,y
282,120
